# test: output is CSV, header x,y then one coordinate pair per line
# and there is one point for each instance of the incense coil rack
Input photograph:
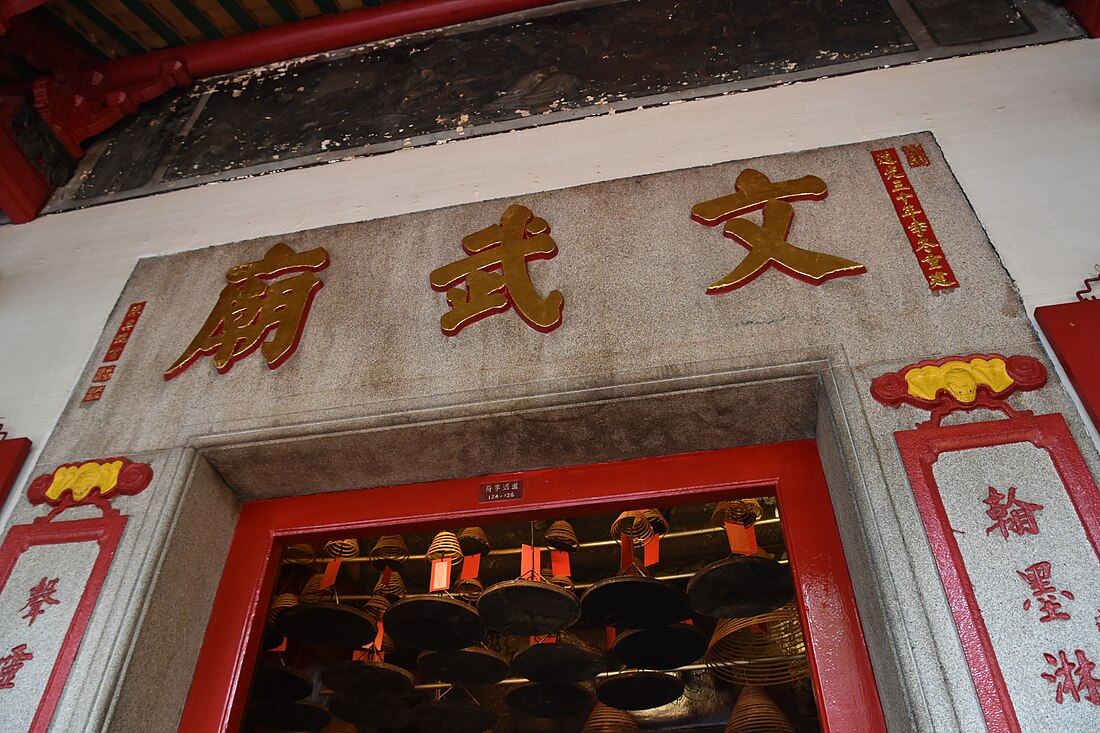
x,y
605,719
282,602
393,588
390,551
755,712
375,606
772,641
474,541
561,536
444,546
343,549
745,512
313,592
300,553
634,525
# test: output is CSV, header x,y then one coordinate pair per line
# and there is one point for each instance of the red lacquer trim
x,y
920,449
316,35
930,256
1072,330
133,478
848,694
13,453
106,531
1027,373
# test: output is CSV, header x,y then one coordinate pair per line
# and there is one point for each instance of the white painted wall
x,y
1020,128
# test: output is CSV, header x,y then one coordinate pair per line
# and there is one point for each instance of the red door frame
x,y
847,694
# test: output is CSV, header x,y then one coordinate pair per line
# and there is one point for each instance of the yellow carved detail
x,y
80,480
960,378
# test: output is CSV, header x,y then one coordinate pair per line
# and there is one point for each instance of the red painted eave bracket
x,y
1073,331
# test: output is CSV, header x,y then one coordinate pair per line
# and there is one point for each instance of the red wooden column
x,y
1087,13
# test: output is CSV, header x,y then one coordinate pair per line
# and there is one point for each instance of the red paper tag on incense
x,y
329,577
471,566
281,647
544,639
559,563
386,575
652,551
531,565
378,638
610,636
441,575
627,554
742,539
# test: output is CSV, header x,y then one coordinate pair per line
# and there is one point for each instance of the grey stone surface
x,y
645,364
163,653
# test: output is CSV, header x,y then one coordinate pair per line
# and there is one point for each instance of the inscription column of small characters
x,y
114,352
1072,672
39,596
918,229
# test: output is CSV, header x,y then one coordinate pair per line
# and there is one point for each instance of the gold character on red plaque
x,y
767,242
255,304
496,276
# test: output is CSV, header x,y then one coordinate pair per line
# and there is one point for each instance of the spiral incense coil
x,y
343,549
745,512
389,551
473,541
774,636
656,520
313,593
387,644
562,581
755,712
561,536
393,589
298,554
633,525
375,606
282,602
340,726
605,719
445,545
469,589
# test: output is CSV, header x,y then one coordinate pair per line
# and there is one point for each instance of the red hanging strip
x,y
329,578
627,553
441,575
742,539
651,551
559,563
471,566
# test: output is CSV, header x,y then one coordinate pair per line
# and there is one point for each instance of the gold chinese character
x,y
933,261
509,246
910,212
899,184
915,155
883,156
767,244
925,245
917,228
248,309
940,280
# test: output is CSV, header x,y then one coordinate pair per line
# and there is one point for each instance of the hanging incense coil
x,y
277,683
562,581
454,716
282,602
755,712
343,549
634,601
445,545
387,645
745,512
392,589
469,589
528,607
375,606
633,525
473,541
609,720
639,690
740,586
559,662
389,551
298,554
473,666
340,726
327,624
561,536
313,592
656,520
772,641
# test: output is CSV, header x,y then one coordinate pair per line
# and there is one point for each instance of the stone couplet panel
x,y
750,301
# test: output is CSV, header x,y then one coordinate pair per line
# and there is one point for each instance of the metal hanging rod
x,y
598,543
686,668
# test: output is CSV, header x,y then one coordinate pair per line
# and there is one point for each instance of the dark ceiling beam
x,y
317,35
